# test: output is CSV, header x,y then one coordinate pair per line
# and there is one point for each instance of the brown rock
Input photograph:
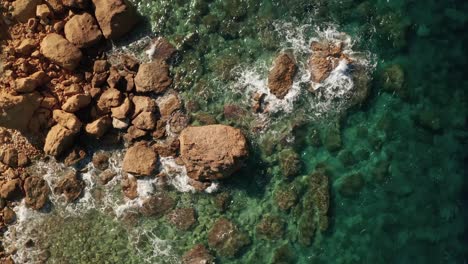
x,y
57,49
58,140
134,133
157,205
153,77
25,85
24,9
9,216
212,152
37,192
10,189
140,159
110,98
122,111
106,176
168,104
280,78
26,47
82,30
145,121
161,49
70,186
182,218
9,156
226,238
178,122
169,148
198,255
75,156
17,111
56,6
115,17
67,120
143,104
43,11
129,187
100,66
99,127
271,227
325,57
76,102
101,160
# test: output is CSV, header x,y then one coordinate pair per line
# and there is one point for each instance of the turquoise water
x,y
395,162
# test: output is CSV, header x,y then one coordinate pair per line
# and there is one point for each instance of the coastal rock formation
x,y
212,152
153,77
115,17
157,205
182,218
198,255
37,192
60,51
82,30
226,238
16,111
140,159
280,78
325,57
70,186
58,140
99,127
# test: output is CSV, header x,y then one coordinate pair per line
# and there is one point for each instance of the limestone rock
x,y
82,30
153,77
76,102
37,192
226,238
60,51
140,159
16,111
99,127
280,78
58,140
212,152
115,17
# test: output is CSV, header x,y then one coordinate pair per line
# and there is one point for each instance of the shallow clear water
x,y
396,163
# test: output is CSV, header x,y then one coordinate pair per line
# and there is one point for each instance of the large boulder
x,y
82,30
37,192
226,238
280,78
212,152
115,17
58,140
153,77
325,57
67,120
24,9
140,159
60,51
16,111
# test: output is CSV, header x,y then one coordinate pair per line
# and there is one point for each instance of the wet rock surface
x,y
182,218
226,239
157,205
37,192
281,77
197,255
70,186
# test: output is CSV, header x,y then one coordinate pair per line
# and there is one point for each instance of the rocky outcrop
x,y
16,111
226,238
70,186
153,77
82,30
140,159
280,78
60,51
212,152
37,192
198,255
325,57
115,17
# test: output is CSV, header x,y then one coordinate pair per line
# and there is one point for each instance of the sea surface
x,y
396,161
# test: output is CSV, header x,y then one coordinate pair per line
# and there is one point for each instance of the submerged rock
x,y
212,152
271,227
182,218
349,185
140,159
290,163
157,205
115,17
280,78
286,197
37,192
226,238
198,255
70,186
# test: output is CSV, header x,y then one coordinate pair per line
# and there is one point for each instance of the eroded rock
x,y
153,77
280,78
226,238
37,192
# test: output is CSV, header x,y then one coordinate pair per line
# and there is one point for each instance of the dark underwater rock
x,y
198,255
157,205
271,227
226,238
70,186
286,197
182,218
350,185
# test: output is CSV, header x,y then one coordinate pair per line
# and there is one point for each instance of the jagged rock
x,y
16,111
119,124
325,57
157,205
129,187
140,159
75,156
134,133
67,120
280,78
70,186
43,11
145,121
60,51
182,218
82,30
10,189
143,104
168,104
161,49
115,17
168,148
122,111
9,156
76,102
99,127
23,10
101,161
9,216
198,255
226,238
100,66
212,152
58,140
153,77
110,98
37,192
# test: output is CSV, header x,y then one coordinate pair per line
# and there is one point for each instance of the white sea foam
x,y
177,174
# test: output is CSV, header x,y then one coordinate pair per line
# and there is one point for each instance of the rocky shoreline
x,y
60,92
